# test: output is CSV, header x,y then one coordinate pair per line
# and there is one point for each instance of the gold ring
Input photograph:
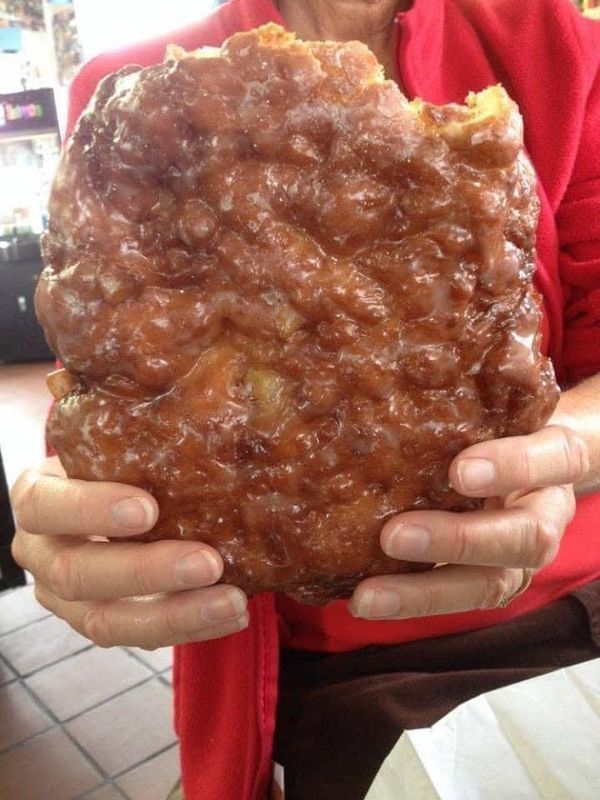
x,y
525,583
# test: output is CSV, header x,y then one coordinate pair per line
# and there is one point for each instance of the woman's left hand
x,y
487,557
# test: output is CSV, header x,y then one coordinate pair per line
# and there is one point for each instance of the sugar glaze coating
x,y
286,298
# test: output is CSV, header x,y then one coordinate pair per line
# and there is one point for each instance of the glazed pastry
x,y
286,297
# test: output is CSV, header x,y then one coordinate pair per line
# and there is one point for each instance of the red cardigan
x,y
548,58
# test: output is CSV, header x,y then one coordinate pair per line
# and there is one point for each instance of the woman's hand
x,y
117,593
486,556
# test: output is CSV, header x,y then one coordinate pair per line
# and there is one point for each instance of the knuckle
x,y
60,575
575,454
42,596
527,468
429,604
82,512
18,549
525,532
97,627
172,627
142,573
562,499
498,586
545,542
461,536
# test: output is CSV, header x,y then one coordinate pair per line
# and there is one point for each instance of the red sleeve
x,y
578,221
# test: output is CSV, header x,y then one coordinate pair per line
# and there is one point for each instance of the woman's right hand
x,y
130,593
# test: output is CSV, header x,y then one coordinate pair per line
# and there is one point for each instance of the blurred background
x,y
42,45
591,8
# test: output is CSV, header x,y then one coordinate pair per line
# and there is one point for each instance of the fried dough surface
x,y
287,297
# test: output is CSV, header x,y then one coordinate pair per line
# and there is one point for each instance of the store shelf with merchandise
x,y
591,8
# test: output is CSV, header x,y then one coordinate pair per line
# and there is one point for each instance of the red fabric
x,y
225,709
548,57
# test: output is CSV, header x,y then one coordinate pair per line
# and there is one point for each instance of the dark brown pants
x,y
339,715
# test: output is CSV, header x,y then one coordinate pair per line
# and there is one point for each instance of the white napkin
x,y
536,740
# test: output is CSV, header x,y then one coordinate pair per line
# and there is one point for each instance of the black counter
x,y
21,337
11,573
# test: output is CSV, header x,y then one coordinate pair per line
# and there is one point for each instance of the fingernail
x,y
378,603
476,473
232,625
198,569
228,605
134,512
242,621
410,542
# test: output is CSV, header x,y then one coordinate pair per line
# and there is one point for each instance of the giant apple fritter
x,y
285,297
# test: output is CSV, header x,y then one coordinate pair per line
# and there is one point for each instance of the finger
x,y
445,590
45,503
158,621
553,455
526,535
101,571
